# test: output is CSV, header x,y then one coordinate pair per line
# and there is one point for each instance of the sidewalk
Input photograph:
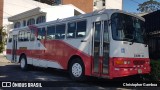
x,y
3,59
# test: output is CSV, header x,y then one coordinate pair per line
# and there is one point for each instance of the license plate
x,y
139,71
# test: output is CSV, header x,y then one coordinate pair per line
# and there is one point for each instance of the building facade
x,y
40,15
1,12
107,4
84,5
87,5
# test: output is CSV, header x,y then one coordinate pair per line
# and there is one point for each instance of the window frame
x,y
29,21
17,24
24,23
23,36
75,37
40,19
32,32
10,39
56,30
49,26
74,30
40,28
85,30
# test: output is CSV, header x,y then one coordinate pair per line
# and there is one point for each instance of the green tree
x,y
2,39
149,6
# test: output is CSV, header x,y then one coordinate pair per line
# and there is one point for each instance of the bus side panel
x,y
9,50
61,51
80,49
9,54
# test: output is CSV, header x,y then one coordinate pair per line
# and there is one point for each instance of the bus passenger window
x,y
60,31
71,30
106,33
41,33
10,39
26,36
20,36
81,29
50,32
32,35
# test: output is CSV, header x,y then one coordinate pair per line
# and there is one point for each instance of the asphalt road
x,y
12,72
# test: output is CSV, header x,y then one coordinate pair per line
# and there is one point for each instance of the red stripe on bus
x,y
59,51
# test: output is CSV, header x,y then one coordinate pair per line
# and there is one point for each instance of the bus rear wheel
x,y
76,70
23,63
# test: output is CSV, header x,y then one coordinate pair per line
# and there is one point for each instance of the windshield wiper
x,y
132,41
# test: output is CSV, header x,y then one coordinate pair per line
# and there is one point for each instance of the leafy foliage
x,y
155,71
149,6
2,39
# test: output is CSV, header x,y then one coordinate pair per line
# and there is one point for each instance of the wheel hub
x,y
22,63
76,69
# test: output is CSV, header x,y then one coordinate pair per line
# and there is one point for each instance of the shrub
x,y
2,39
155,71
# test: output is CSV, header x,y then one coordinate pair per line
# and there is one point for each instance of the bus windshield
x,y
127,28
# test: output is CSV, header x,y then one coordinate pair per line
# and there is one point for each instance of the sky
x,y
132,5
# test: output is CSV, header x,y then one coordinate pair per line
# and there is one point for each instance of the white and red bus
x,y
105,43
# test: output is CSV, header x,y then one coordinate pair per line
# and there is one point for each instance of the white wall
x,y
109,4
59,12
13,7
114,4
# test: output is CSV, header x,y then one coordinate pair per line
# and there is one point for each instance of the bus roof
x,y
109,12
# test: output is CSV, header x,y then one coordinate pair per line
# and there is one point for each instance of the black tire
x,y
79,75
23,63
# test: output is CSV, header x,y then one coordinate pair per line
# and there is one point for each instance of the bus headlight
x,y
125,62
129,62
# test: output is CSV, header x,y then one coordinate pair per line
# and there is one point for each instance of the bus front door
x,y
14,48
100,48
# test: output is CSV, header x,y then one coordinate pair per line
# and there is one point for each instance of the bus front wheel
x,y
23,63
76,69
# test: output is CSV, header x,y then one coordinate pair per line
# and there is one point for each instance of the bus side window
x,y
26,36
41,33
71,30
81,29
50,32
60,31
32,35
20,36
106,33
10,39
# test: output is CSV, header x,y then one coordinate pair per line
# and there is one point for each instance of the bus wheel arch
x,y
23,62
76,62
22,55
